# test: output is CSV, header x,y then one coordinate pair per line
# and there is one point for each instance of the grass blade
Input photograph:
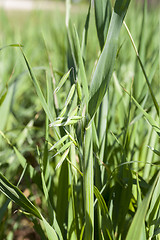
x,y
103,13
136,227
105,65
38,89
88,184
62,81
11,45
107,223
51,234
17,196
143,70
58,143
138,84
151,121
81,67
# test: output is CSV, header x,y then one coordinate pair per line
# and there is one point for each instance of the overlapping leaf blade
x,y
102,17
17,196
105,65
136,227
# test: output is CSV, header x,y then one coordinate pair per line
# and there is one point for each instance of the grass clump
x,y
77,154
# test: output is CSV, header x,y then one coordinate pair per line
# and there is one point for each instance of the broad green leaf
x,y
105,65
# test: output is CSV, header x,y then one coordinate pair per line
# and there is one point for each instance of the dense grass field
x,y
79,122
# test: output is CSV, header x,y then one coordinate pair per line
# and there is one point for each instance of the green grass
x,y
79,122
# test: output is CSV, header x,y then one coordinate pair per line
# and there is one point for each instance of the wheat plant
x,y
87,148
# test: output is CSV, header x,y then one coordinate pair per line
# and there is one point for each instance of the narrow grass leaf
x,y
81,67
95,139
82,232
103,13
136,226
5,107
81,174
79,91
155,151
122,197
138,78
51,233
20,157
105,65
143,70
71,53
153,213
52,215
64,121
58,143
62,81
151,121
72,113
38,89
62,149
85,32
71,138
17,196
70,95
88,184
62,197
62,159
3,209
3,94
107,223
102,124
11,45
